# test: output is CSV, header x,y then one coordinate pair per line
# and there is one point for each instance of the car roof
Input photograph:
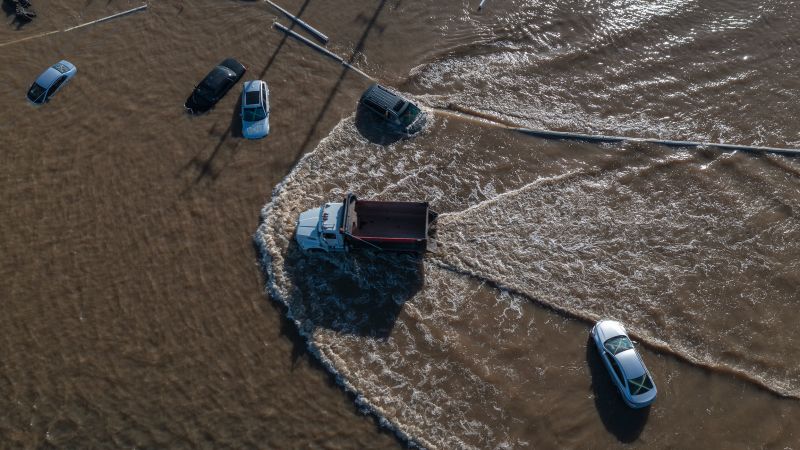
x,y
382,97
48,77
330,216
216,78
251,93
631,363
51,74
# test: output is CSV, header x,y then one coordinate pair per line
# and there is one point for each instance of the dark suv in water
x,y
398,112
214,86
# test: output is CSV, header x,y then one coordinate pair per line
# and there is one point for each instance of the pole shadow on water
x,y
283,41
205,166
625,423
235,127
370,23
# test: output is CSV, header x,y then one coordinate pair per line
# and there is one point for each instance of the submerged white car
x,y
623,362
255,109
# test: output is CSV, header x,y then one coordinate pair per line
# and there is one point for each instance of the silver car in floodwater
x,y
623,362
255,109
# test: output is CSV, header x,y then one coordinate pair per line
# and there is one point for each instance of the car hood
x,y
254,130
307,224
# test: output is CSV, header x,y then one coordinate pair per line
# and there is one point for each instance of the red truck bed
x,y
388,224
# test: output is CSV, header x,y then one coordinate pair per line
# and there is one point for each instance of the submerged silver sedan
x,y
623,362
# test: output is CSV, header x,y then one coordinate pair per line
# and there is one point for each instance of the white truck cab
x,y
319,228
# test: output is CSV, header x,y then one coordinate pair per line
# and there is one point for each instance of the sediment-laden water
x,y
694,250
135,315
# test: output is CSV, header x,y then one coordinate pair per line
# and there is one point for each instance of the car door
x,y
55,87
616,370
225,86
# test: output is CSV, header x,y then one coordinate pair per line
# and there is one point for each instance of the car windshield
x,y
618,344
35,92
640,385
411,113
254,114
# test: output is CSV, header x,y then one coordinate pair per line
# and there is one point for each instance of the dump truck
x,y
354,223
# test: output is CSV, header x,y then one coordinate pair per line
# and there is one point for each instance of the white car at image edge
x,y
624,364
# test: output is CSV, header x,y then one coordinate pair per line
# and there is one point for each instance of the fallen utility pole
x,y
601,138
666,142
324,51
317,35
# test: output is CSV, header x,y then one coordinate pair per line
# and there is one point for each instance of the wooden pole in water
x,y
317,35
324,51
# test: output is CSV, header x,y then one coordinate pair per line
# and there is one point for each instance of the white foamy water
x,y
695,251
697,264
697,259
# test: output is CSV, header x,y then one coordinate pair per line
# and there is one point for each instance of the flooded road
x,y
135,306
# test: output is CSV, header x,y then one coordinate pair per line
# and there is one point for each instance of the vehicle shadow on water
x,y
208,167
374,128
625,423
360,293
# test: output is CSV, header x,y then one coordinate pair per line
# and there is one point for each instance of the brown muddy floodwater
x,y
134,307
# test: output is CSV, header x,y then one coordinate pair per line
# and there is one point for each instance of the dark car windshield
x,y
640,385
35,92
254,114
618,344
411,113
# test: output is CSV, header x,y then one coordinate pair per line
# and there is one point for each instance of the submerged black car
x,y
214,86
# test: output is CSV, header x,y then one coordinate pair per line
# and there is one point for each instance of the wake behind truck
x,y
353,223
